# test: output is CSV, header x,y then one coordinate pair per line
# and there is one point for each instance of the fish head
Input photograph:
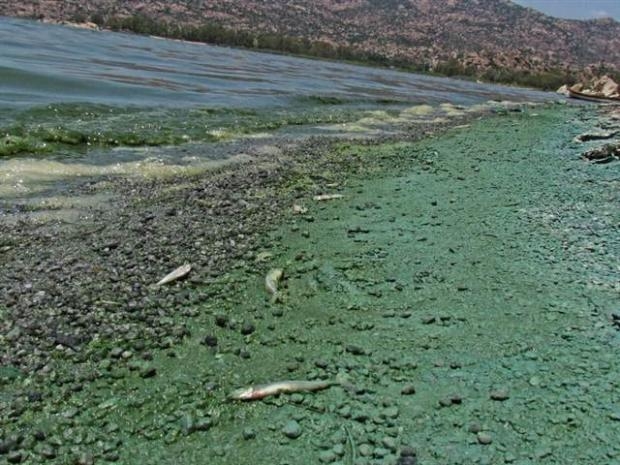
x,y
242,394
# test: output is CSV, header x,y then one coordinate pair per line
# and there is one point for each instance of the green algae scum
x,y
465,285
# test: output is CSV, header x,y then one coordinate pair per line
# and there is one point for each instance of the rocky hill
x,y
494,39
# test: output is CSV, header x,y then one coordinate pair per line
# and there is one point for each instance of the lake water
x,y
73,101
42,63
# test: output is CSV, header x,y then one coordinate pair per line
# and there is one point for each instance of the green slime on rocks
x,y
462,284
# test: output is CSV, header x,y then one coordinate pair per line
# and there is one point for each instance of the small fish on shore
x,y
260,391
324,197
179,273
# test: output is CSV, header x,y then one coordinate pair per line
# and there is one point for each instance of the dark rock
x,y
321,363
355,350
222,320
15,456
247,328
111,456
35,396
209,341
9,444
148,372
407,456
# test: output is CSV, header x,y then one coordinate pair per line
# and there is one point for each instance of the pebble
x,y
407,456
355,350
203,424
321,363
221,320
85,459
361,416
47,452
365,450
500,395
380,452
247,328
345,411
111,456
209,340
291,429
116,352
474,427
148,372
327,456
534,381
187,424
338,449
390,412
389,443
14,456
407,390
484,438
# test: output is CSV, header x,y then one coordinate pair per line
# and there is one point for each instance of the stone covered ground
x,y
464,289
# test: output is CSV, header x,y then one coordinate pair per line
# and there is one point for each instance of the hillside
x,y
494,39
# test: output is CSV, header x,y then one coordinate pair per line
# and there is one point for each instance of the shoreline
x,y
454,284
139,208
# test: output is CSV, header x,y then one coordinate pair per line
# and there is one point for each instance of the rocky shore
x,y
70,283
463,285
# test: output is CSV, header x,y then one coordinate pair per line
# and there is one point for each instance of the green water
x,y
65,130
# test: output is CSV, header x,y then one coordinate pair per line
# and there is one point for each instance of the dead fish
x,y
271,282
261,391
180,272
299,209
323,197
